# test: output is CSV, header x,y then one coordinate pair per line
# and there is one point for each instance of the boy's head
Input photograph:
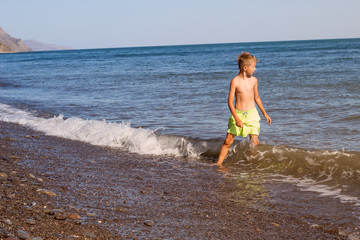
x,y
245,59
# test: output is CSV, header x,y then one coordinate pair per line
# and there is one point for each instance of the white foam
x,y
102,133
311,185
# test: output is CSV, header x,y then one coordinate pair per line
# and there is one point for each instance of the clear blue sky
x,y
124,23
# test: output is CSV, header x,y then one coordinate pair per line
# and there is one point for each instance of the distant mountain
x,y
10,44
39,46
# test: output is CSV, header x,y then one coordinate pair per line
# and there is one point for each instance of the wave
x,y
103,133
330,173
335,169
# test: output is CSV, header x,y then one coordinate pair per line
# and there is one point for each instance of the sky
x,y
84,24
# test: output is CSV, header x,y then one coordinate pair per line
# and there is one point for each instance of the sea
x,y
172,101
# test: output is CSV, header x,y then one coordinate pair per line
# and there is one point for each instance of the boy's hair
x,y
245,59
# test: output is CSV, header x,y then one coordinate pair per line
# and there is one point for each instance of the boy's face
x,y
250,69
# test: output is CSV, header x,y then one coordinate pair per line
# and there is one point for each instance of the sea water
x,y
172,100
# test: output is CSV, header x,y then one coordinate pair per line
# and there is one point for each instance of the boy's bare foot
x,y
218,165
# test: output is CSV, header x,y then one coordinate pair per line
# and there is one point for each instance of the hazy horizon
x,y
116,24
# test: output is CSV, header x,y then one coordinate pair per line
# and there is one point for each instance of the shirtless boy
x,y
245,118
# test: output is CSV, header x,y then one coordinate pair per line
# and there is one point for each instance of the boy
x,y
245,118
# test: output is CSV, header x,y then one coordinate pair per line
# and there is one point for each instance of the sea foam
x,y
103,133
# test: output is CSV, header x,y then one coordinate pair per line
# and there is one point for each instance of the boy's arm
x,y
239,123
259,102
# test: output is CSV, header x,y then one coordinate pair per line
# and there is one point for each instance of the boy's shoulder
x,y
239,78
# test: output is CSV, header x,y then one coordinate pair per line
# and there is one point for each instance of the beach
x,y
74,190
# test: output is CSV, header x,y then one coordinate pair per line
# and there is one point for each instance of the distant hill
x,y
39,46
11,44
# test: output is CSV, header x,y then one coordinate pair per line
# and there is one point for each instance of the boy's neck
x,y
244,75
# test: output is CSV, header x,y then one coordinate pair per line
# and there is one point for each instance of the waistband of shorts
x,y
247,111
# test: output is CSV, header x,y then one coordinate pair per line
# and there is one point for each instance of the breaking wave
x,y
330,173
102,133
339,171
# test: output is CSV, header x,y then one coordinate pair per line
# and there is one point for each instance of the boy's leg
x,y
225,148
254,140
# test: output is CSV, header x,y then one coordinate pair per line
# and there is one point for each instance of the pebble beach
x,y
54,188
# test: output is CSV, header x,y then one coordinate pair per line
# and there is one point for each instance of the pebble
x,y
30,221
149,223
22,234
89,235
31,175
90,214
52,211
72,237
28,208
74,216
8,222
59,216
48,192
3,176
11,196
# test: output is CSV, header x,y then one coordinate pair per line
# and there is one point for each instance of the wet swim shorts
x,y
251,120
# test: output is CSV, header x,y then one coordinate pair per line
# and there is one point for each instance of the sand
x,y
54,188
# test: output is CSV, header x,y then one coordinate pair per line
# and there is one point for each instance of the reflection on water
x,y
302,183
250,189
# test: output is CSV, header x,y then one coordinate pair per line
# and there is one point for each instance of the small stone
x,y
72,237
39,179
77,222
48,192
149,223
31,175
22,234
8,222
3,176
89,235
27,136
30,221
11,196
28,208
90,214
74,216
53,211
59,216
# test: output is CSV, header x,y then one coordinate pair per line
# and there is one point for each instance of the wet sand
x,y
118,195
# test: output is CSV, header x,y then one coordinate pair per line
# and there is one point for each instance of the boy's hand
x,y
268,119
239,123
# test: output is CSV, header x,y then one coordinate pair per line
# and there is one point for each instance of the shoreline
x,y
119,195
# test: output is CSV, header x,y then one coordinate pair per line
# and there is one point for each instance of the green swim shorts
x,y
251,120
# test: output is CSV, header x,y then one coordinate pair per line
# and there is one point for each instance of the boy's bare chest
x,y
245,87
